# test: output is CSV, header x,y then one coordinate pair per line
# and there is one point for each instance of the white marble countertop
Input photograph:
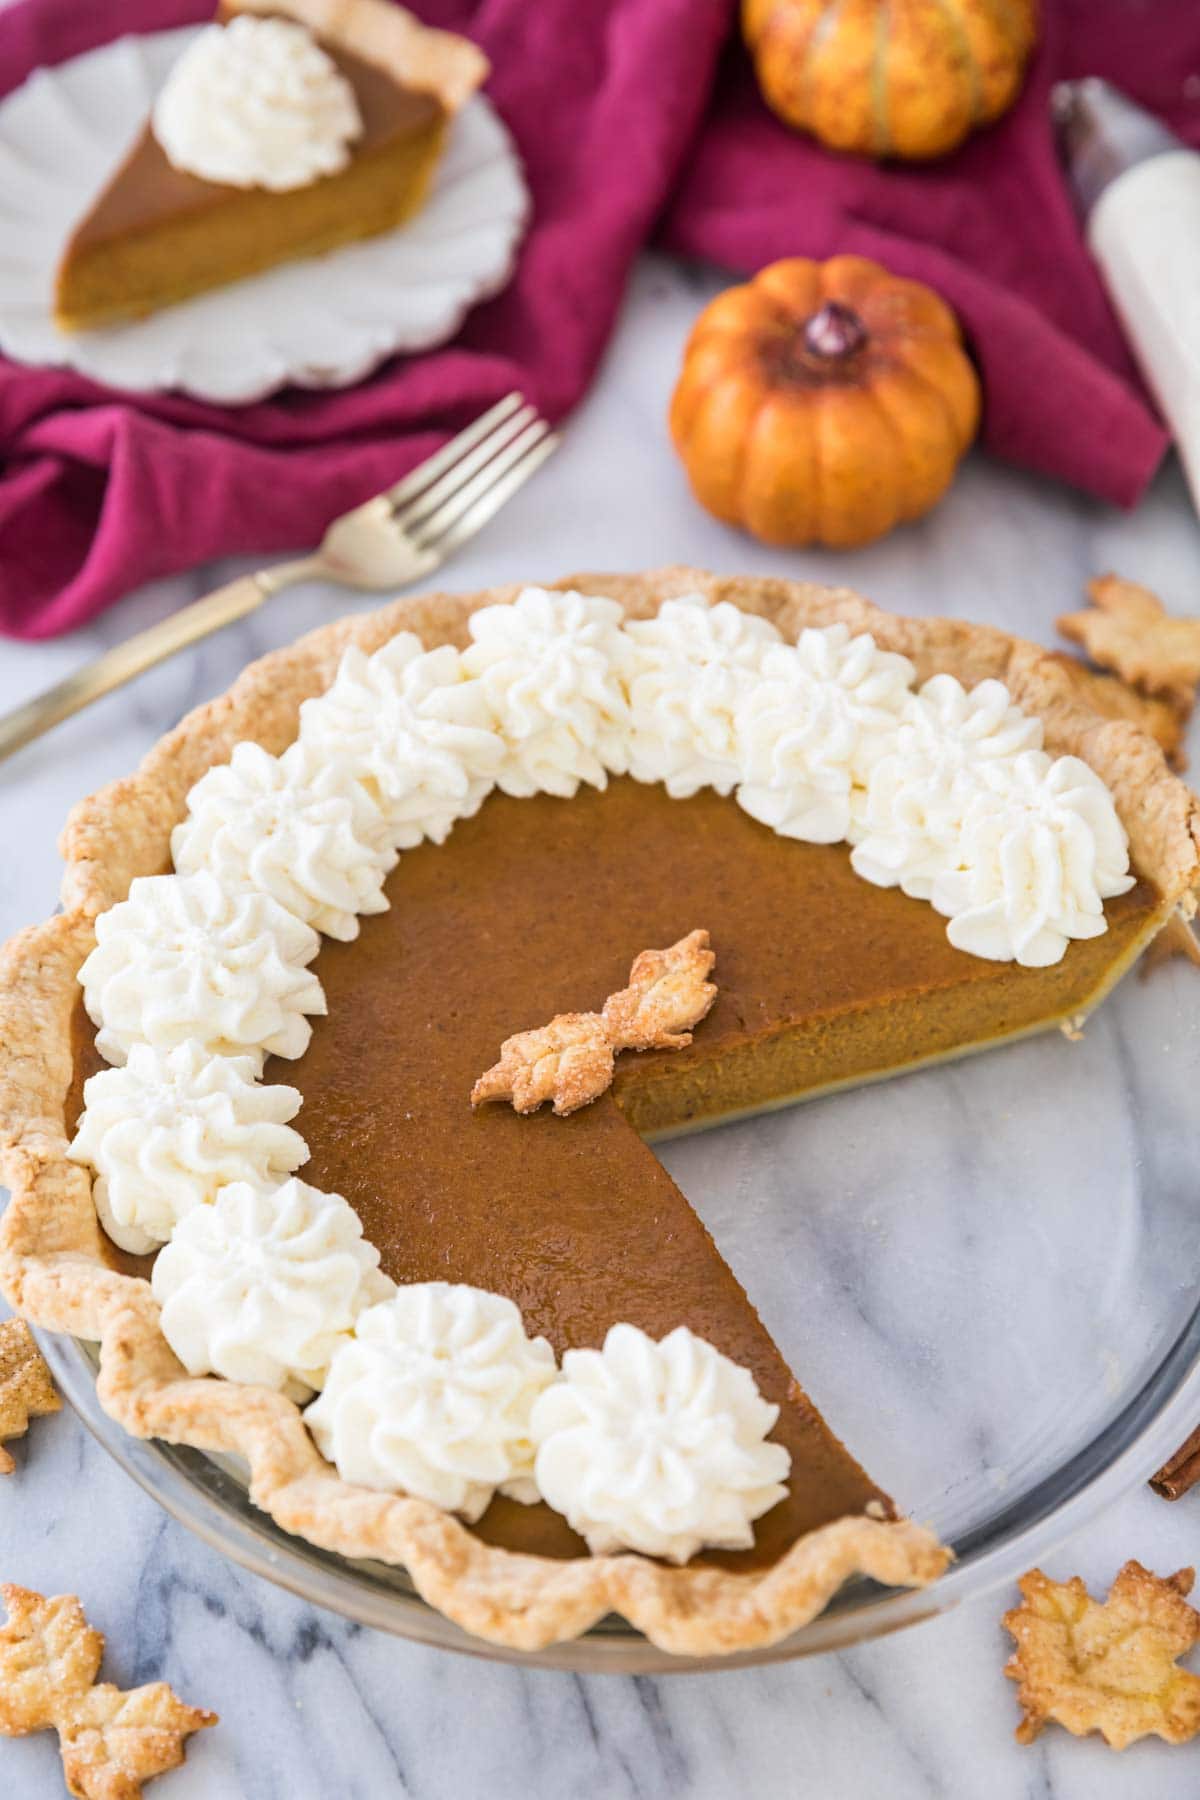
x,y
313,1707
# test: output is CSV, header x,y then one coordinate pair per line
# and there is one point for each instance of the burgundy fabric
x,y
992,228
100,491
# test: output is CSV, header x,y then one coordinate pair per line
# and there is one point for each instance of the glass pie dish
x,y
983,1272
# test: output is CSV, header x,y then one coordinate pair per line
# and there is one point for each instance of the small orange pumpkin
x,y
823,402
906,78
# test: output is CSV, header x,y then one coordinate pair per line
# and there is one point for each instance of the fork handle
x,y
144,650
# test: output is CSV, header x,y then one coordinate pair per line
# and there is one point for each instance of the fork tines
x,y
457,490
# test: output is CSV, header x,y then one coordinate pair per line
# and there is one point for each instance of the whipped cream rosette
x,y
257,103
289,827
171,1128
812,728
692,667
657,1447
551,668
264,1284
433,1396
184,958
1041,850
411,727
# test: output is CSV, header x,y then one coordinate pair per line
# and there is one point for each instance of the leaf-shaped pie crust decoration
x,y
1106,1666
111,1741
570,1060
26,1386
1128,629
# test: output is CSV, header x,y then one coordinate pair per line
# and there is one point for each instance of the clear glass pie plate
x,y
985,1273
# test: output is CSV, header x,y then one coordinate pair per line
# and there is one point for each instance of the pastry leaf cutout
x,y
26,1386
1106,1666
570,1061
111,1741
1128,629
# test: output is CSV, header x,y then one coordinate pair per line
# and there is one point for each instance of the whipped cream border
x,y
943,791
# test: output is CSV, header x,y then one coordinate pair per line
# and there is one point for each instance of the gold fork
x,y
397,538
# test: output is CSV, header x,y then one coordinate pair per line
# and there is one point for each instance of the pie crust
x,y
51,1264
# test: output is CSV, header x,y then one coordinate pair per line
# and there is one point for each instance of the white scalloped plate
x,y
320,323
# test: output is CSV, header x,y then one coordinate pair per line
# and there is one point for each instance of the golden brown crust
x,y
50,1261
436,62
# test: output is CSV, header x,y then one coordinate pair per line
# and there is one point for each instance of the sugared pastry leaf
x,y
570,1060
1128,629
26,1387
111,1742
668,993
1106,1666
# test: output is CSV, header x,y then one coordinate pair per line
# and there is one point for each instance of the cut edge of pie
x,y
51,1263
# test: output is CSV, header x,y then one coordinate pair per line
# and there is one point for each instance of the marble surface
x,y
313,1707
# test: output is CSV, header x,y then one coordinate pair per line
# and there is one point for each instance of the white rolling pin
x,y
1138,190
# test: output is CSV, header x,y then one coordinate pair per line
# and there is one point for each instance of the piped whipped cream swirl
x,y
264,1284
183,958
413,730
172,1127
289,827
657,1447
551,667
257,103
812,728
693,666
432,1397
1041,849
908,822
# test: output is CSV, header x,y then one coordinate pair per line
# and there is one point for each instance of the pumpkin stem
x,y
834,334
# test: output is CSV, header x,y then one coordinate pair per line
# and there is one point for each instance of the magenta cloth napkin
x,y
992,228
100,491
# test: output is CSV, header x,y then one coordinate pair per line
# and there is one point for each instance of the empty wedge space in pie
x,y
532,1379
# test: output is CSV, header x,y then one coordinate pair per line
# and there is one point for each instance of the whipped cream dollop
x,y
908,822
1041,849
172,1127
432,1397
184,958
264,1284
692,667
657,1447
550,666
257,103
813,726
292,828
410,726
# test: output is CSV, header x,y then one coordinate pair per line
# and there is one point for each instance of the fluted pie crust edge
x,y
51,1265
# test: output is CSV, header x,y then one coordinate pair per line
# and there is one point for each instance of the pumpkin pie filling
x,y
535,905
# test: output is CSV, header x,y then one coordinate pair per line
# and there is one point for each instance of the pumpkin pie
x,y
158,233
532,906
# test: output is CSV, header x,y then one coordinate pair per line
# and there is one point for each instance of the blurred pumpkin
x,y
907,78
823,402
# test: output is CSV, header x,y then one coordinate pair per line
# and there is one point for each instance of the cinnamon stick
x,y
1181,1471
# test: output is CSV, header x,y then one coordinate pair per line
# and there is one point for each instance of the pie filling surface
x,y
535,906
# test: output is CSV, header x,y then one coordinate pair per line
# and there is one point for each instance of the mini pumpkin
x,y
823,402
907,78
